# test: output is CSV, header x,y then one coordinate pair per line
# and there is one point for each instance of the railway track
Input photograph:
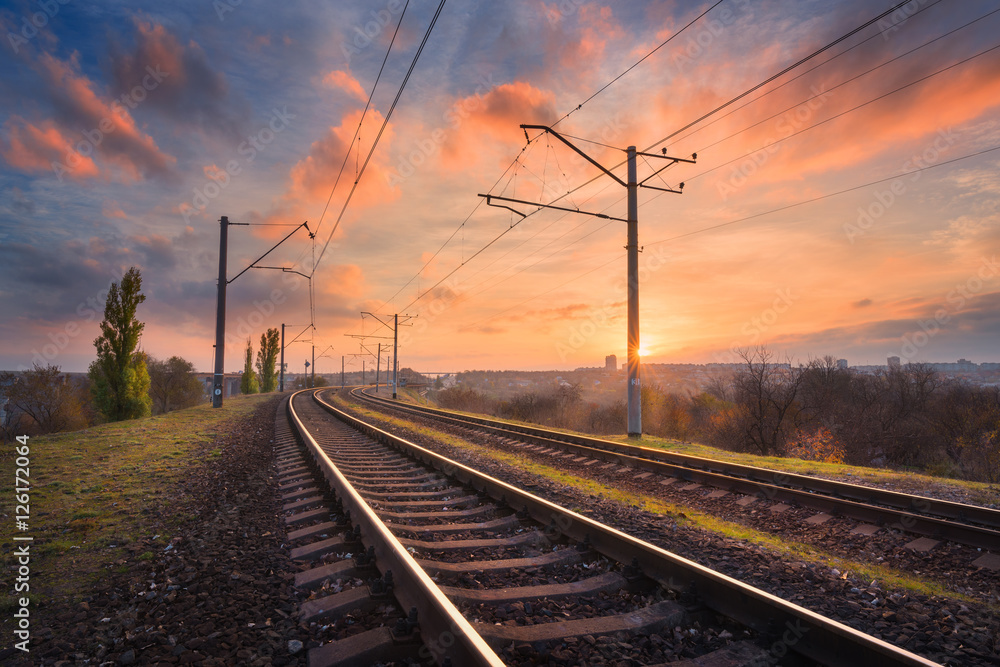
x,y
875,508
464,569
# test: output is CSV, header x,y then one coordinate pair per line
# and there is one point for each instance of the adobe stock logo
x,y
30,25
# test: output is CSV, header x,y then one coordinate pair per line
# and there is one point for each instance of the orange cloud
x,y
598,27
932,109
37,148
344,280
101,129
311,178
497,114
346,82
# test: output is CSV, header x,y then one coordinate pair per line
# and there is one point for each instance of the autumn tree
x,y
173,385
267,358
119,375
249,383
41,400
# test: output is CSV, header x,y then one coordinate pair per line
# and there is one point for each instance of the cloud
x,y
344,81
312,177
343,280
36,148
90,136
864,303
192,93
111,209
494,118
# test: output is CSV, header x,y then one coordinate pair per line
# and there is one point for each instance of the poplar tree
x,y
267,358
249,383
119,375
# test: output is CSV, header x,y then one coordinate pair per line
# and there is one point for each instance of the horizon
x,y
620,368
851,205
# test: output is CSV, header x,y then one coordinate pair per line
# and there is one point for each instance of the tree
x,y
249,383
172,384
303,380
765,411
119,374
41,400
267,357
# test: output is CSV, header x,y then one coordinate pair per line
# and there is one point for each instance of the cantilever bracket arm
x,y
585,156
489,202
558,208
284,269
253,264
664,156
653,187
673,161
363,336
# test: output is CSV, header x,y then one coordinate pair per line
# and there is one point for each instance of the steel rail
x,y
793,628
439,621
915,514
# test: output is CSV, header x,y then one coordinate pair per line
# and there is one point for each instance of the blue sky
x,y
248,111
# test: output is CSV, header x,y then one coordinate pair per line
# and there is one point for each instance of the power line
x,y
737,221
826,196
756,87
529,141
362,119
385,122
685,127
847,111
637,63
854,108
457,229
781,73
808,71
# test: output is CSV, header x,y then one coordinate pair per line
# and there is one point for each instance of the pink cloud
x,y
90,138
111,209
311,178
35,148
496,114
344,81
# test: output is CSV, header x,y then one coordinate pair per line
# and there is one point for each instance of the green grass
x,y
900,480
90,489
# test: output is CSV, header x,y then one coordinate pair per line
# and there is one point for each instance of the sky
x,y
848,207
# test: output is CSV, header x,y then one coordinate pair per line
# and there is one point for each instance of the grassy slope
x,y
99,494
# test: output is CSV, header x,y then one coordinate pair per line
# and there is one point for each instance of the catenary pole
x,y
395,353
632,351
220,317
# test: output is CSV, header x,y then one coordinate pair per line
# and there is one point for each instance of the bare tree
x,y
765,411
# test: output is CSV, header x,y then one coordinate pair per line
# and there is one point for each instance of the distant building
x,y
611,363
841,363
893,362
966,366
